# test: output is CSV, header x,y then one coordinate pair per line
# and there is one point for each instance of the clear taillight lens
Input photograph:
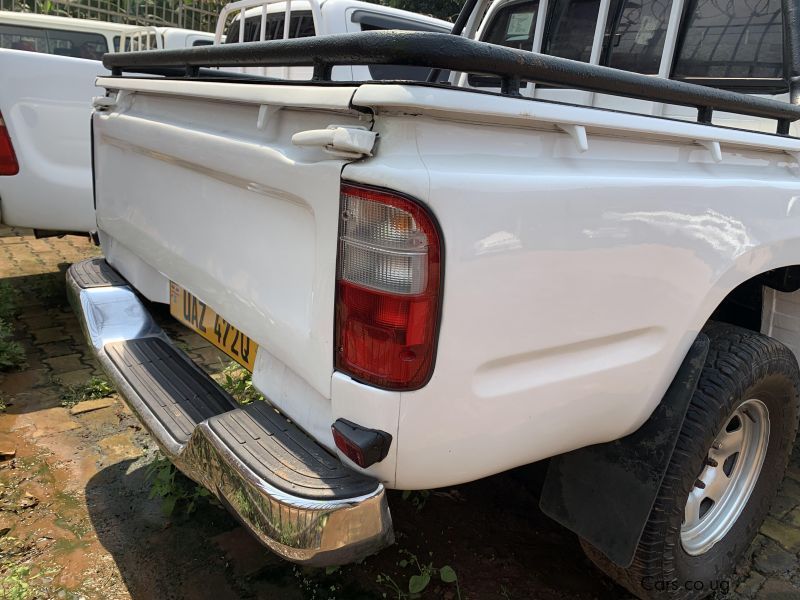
x,y
8,160
388,289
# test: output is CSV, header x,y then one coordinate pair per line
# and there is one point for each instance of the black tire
x,y
741,364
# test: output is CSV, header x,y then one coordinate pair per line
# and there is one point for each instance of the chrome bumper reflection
x,y
312,532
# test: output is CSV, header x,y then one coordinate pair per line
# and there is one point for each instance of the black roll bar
x,y
455,53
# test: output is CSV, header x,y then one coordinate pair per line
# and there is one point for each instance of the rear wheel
x,y
729,460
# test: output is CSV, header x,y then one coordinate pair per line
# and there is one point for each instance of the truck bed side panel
x,y
574,282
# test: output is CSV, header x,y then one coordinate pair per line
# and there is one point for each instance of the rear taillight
x,y
8,160
388,289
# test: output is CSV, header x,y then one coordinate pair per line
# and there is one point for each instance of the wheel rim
x,y
723,487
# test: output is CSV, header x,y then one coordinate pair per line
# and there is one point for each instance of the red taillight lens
x,y
349,449
388,289
8,160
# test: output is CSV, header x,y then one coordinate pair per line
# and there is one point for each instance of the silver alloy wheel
x,y
724,486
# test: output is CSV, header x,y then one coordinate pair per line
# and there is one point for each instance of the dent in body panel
x,y
531,370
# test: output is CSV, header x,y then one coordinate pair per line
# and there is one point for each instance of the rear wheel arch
x,y
743,305
741,366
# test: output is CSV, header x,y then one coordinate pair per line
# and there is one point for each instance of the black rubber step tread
x,y
95,273
279,452
178,393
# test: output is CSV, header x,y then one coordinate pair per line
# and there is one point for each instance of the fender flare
x,y
605,493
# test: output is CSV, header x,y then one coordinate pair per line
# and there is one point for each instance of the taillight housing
x,y
388,288
8,160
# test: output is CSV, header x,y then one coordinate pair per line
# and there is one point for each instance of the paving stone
x,y
75,377
211,357
51,334
56,349
793,517
782,505
38,321
8,447
46,422
786,535
778,589
38,399
793,471
90,405
791,488
194,341
119,447
750,586
35,311
774,559
59,364
24,381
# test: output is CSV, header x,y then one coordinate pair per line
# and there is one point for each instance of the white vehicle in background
x,y
47,182
64,36
266,20
164,38
48,67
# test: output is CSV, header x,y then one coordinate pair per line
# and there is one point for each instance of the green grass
x,y
96,387
173,488
238,382
407,586
12,355
15,582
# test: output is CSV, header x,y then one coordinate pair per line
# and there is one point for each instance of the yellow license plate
x,y
200,317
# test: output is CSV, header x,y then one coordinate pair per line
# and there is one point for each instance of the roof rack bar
x,y
458,28
705,115
791,24
445,51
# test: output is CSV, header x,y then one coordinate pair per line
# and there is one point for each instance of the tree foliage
x,y
194,14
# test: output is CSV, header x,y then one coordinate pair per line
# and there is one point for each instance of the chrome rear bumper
x,y
289,492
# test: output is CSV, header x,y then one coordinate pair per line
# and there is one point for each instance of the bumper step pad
x,y
177,392
264,441
293,495
95,272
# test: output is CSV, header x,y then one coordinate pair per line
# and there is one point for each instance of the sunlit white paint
x,y
45,101
574,283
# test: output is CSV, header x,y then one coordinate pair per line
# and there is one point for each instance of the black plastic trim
x,y
373,443
582,488
385,21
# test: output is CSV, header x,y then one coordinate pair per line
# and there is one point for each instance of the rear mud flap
x,y
604,493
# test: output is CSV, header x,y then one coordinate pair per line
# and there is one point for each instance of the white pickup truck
x,y
164,38
436,282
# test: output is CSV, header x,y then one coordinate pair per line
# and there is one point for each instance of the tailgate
x,y
201,181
